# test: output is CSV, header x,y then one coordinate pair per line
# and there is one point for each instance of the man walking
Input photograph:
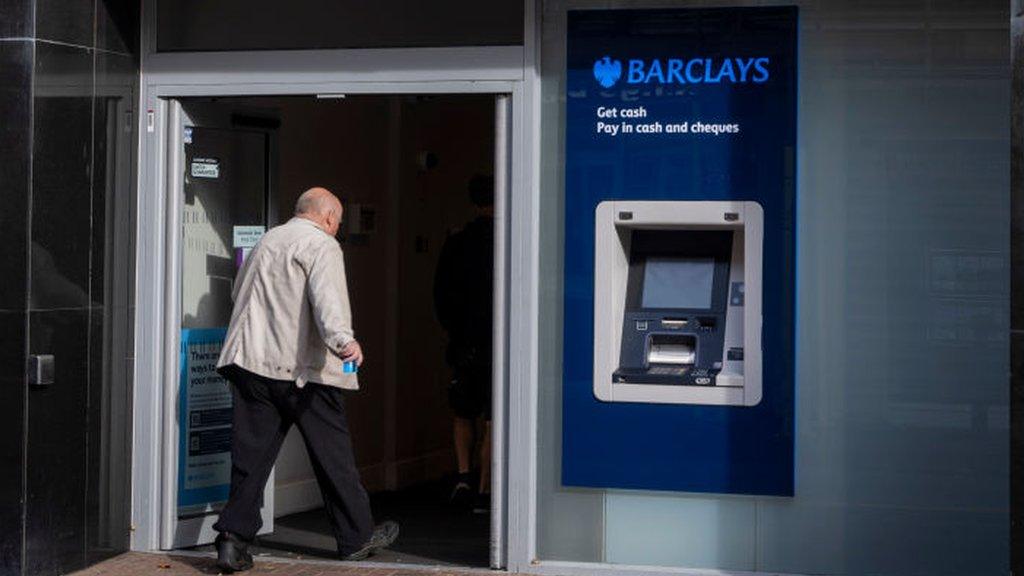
x,y
290,333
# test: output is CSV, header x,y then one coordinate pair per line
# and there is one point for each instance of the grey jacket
x,y
292,314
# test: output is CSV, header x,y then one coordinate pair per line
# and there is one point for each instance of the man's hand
x,y
352,351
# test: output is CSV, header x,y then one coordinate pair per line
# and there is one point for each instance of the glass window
x,y
195,25
902,415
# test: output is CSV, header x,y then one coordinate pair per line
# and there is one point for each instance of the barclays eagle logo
x,y
607,71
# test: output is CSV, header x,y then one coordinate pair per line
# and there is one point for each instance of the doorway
x,y
402,165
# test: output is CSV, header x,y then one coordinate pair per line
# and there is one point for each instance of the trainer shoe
x,y
384,535
462,496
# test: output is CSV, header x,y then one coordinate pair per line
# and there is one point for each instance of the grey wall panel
x,y
12,416
15,82
15,110
50,501
55,468
16,19
1017,287
269,25
108,494
61,220
68,21
117,25
61,183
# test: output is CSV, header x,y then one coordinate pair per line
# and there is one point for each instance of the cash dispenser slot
x,y
672,349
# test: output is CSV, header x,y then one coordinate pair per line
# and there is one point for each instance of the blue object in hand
x,y
349,367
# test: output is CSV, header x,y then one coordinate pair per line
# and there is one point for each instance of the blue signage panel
x,y
204,422
681,104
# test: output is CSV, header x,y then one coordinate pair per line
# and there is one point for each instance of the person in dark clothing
x,y
463,298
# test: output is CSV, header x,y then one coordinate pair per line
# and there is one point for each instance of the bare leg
x,y
463,433
485,460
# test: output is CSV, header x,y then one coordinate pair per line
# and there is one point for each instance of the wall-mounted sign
x,y
205,168
244,239
246,236
689,108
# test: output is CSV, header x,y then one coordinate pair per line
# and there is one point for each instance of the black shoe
x,y
232,553
482,504
384,535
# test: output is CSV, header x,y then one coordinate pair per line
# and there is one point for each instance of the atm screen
x,y
678,282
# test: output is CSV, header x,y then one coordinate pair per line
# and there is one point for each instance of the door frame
x,y
475,70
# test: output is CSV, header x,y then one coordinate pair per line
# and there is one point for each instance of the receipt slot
x,y
677,302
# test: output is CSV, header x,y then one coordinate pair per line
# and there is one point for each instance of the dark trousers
x,y
264,411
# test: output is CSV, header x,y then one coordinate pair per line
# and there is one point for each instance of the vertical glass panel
x,y
112,316
184,25
902,426
695,532
59,232
570,521
224,214
225,188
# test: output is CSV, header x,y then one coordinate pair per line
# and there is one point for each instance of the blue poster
x,y
204,422
681,104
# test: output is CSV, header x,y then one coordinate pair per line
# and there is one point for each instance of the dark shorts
x,y
469,393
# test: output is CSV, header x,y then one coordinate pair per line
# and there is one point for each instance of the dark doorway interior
x,y
402,165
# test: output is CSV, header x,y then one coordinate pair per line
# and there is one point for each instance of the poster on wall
x,y
244,239
204,422
681,105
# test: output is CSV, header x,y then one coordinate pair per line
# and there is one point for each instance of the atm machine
x,y
677,302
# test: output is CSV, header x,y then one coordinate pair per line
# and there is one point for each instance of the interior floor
x,y
433,533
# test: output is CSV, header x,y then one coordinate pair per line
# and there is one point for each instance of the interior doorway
x,y
403,167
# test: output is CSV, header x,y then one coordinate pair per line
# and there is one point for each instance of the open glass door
x,y
219,190
499,377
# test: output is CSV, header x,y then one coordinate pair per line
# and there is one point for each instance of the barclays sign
x,y
608,72
680,104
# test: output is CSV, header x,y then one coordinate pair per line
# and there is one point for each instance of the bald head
x,y
320,206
